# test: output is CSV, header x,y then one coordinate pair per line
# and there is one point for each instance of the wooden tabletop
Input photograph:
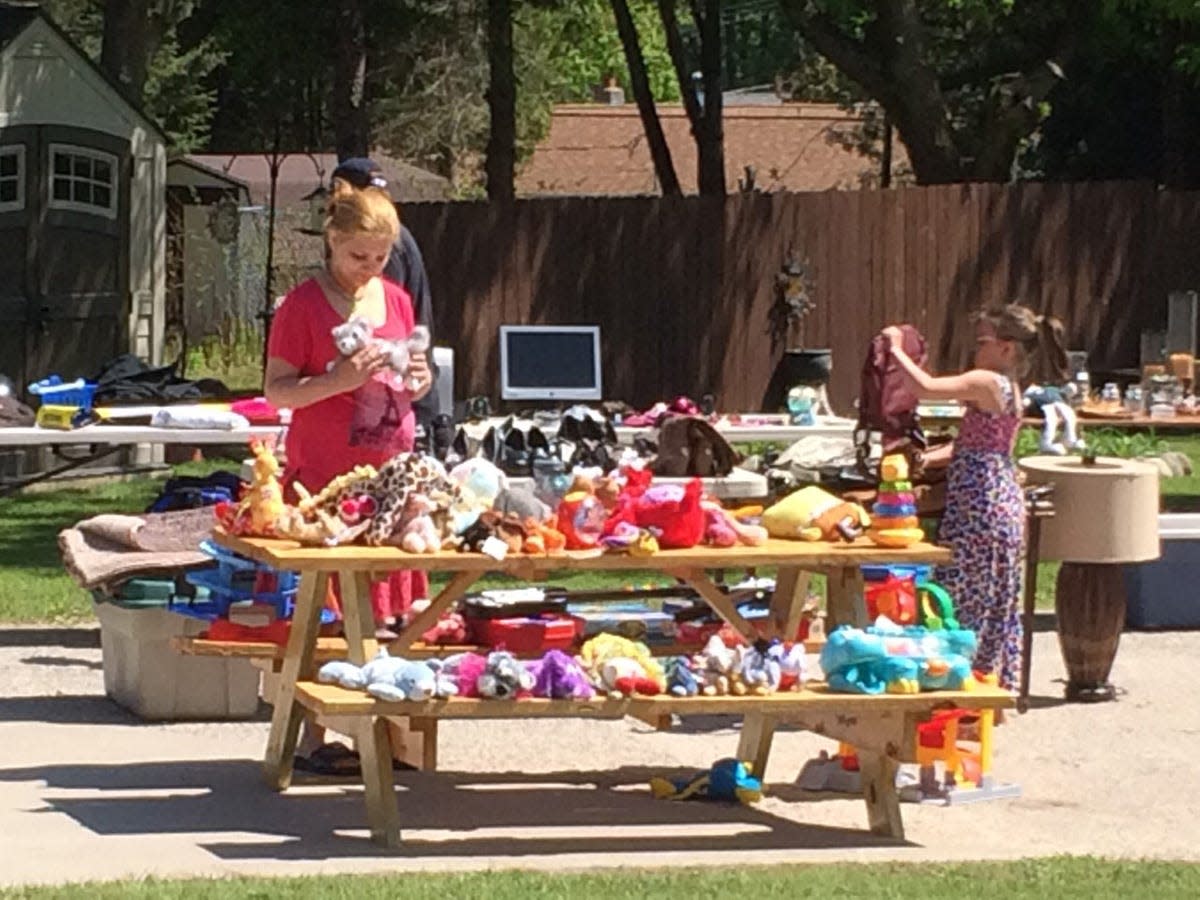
x,y
295,557
329,699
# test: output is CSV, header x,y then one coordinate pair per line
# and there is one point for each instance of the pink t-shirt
x,y
366,426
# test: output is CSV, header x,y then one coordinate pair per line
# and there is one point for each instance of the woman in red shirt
x,y
348,410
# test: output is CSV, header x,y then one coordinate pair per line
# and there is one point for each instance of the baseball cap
x,y
361,172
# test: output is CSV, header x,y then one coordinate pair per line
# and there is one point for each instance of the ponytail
x,y
1050,363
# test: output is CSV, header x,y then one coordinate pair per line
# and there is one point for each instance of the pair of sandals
x,y
336,760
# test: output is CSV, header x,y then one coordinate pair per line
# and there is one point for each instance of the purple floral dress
x,y
984,524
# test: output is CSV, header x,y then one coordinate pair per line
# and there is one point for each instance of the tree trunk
x,y
351,124
664,168
125,50
710,143
502,104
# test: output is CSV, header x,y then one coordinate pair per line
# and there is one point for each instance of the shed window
x,y
83,179
12,177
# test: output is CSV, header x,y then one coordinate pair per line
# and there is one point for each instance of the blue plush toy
x,y
681,680
886,657
728,780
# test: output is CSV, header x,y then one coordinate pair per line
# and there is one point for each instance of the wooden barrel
x,y
1090,605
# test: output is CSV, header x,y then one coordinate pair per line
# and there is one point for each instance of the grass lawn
x,y
1059,878
34,588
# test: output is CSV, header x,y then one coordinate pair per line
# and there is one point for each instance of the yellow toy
x,y
262,504
895,522
610,659
814,514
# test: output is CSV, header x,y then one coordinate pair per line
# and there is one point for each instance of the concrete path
x,y
89,792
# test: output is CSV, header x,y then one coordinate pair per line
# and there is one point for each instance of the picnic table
x,y
882,728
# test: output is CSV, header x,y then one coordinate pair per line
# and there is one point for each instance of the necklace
x,y
335,290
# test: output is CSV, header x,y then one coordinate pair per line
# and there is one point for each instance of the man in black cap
x,y
405,267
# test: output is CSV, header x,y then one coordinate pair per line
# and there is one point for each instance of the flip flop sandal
x,y
334,759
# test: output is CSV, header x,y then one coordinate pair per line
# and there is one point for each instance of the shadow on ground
x,y
448,814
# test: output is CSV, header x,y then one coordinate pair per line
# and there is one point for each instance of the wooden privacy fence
x,y
682,288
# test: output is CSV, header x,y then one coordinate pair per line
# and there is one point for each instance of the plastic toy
x,y
728,780
894,514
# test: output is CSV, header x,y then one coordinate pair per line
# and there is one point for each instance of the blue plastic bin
x,y
53,391
232,581
1162,593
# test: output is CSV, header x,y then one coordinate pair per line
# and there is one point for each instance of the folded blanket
x,y
216,419
103,551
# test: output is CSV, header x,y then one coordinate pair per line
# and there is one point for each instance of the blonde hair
x,y
1041,339
356,211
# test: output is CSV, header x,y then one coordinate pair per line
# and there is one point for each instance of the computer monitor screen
x,y
550,362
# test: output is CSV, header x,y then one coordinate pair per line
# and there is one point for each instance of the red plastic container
x,y
526,634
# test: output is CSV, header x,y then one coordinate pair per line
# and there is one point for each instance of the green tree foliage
x,y
176,94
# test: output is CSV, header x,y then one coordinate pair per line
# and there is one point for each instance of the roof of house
x,y
300,174
597,149
17,15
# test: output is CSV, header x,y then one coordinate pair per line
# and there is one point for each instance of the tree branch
x,y
846,53
666,11
660,152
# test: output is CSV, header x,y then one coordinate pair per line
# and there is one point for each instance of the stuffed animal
x,y
760,668
728,780
621,667
716,667
504,677
465,669
626,537
723,529
342,673
681,680
672,512
887,657
814,514
557,676
1051,403
357,332
418,534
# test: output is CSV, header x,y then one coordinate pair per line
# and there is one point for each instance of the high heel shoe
x,y
516,456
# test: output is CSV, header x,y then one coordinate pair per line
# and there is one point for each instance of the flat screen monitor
x,y
550,362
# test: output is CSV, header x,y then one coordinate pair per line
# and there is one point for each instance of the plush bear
x,y
557,676
418,534
723,529
504,677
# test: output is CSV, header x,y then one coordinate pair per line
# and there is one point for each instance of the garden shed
x,y
82,209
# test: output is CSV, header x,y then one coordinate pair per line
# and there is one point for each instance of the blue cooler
x,y
1162,592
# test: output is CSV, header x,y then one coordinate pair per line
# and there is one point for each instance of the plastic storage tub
x,y
53,391
526,634
1162,592
147,676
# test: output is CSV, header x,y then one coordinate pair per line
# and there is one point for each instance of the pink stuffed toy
x,y
466,671
419,534
672,513
723,529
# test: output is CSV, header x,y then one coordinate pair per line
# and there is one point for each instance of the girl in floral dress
x,y
984,521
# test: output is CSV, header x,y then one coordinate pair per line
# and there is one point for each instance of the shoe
x,y
442,436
